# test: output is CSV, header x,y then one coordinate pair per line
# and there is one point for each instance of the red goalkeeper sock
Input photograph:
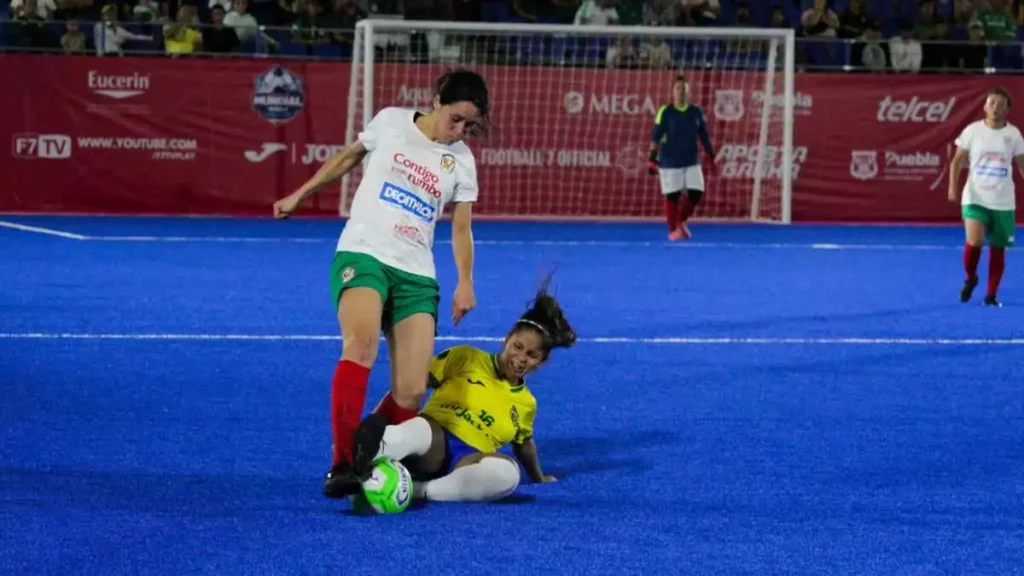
x,y
672,213
996,265
972,255
348,394
394,413
685,208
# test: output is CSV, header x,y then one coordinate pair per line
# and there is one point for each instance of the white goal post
x,y
573,108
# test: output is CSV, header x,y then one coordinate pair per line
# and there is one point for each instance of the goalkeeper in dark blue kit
x,y
674,158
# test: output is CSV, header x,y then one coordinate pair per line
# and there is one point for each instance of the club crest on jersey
x,y
513,415
728,105
347,274
447,163
863,164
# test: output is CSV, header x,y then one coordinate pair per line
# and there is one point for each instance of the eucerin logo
x,y
914,110
118,87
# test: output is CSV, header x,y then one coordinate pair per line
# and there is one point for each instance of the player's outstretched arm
x,y
334,169
462,248
526,454
705,137
955,166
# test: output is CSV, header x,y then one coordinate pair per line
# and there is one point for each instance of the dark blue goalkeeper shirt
x,y
677,130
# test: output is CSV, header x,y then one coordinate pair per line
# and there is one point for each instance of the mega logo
x,y
419,175
408,202
740,161
628,104
116,86
45,146
914,110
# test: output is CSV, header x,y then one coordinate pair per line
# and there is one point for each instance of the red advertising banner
x,y
176,136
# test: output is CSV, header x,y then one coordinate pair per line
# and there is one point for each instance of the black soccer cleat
x,y
968,289
366,444
991,301
341,481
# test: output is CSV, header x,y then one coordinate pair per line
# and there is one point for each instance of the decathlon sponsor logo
x,y
894,166
161,148
408,202
915,110
118,86
740,161
605,103
29,146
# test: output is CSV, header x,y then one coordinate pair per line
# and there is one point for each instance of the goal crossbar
x,y
362,84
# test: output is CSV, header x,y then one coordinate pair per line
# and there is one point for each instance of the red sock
x,y
685,208
394,413
348,394
672,213
972,255
996,265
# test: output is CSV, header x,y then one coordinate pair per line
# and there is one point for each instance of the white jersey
x,y
407,181
991,154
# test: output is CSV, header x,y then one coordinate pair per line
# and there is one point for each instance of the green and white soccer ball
x,y
388,490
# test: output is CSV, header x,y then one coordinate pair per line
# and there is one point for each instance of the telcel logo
x,y
915,110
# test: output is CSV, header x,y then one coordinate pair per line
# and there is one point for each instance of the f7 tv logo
x,y
47,146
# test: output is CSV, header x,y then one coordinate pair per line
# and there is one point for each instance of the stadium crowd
x,y
875,35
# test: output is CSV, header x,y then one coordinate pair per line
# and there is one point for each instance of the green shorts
x,y
403,294
999,224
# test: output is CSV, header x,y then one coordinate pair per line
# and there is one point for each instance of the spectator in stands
x,y
905,50
108,36
996,20
701,12
597,13
662,13
741,18
217,37
777,18
73,39
145,11
224,4
28,28
963,14
973,55
312,26
244,23
42,9
621,53
180,38
855,21
656,53
932,32
820,21
346,14
74,9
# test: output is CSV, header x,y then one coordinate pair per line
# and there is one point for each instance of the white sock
x,y
489,479
409,438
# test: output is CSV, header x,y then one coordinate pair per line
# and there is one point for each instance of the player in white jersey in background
x,y
992,146
382,276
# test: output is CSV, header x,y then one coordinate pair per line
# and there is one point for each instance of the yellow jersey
x,y
184,42
475,404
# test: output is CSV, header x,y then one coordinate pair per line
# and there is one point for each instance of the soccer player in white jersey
x,y
382,276
991,146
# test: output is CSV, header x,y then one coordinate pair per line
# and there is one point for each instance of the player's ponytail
x,y
466,86
545,316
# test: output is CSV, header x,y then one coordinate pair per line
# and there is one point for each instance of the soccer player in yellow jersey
x,y
480,404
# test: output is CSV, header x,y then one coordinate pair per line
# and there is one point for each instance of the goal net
x,y
573,108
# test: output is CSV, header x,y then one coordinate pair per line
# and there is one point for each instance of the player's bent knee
x,y
506,473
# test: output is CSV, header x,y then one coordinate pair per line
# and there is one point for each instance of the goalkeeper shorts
x,y
999,224
681,179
